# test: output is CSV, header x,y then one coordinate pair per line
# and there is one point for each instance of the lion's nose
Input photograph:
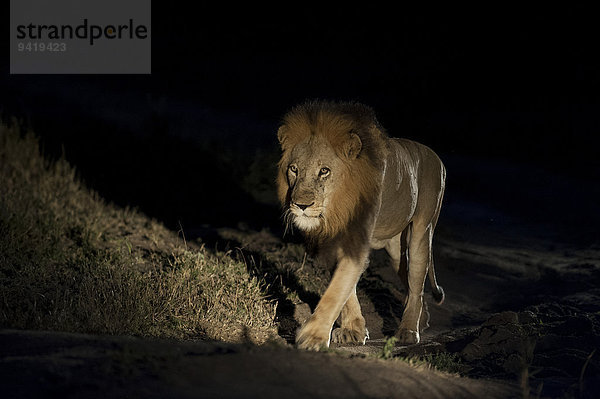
x,y
303,206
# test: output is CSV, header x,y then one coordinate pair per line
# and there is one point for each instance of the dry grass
x,y
71,262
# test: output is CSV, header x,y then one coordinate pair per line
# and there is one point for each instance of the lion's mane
x,y
358,191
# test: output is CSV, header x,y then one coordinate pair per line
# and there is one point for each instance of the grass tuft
x,y
387,351
71,262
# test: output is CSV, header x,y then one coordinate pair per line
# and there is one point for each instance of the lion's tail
x,y
436,290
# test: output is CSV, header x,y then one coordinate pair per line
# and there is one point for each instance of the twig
x,y
182,234
303,262
587,361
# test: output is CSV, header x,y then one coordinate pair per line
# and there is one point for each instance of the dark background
x,y
509,98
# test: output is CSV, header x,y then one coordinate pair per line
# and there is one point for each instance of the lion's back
x,y
413,184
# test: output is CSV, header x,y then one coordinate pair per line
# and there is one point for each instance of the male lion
x,y
349,188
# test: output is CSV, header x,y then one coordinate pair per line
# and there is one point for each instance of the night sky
x,y
516,85
480,80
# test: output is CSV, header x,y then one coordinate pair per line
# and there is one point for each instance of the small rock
x,y
528,317
502,318
301,312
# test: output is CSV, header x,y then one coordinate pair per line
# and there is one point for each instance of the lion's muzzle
x,y
302,206
306,216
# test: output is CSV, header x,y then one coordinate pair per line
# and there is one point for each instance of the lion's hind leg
x,y
397,249
416,316
353,329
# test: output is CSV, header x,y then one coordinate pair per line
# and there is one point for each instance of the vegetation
x,y
387,351
445,361
71,262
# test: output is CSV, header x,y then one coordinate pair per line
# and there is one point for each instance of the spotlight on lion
x,y
350,188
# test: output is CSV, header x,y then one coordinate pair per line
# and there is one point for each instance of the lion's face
x,y
313,173
326,178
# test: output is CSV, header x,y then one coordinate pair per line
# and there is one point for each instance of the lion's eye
x,y
324,172
293,169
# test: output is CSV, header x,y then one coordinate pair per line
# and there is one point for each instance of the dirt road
x,y
44,364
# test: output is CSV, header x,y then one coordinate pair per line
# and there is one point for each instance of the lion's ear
x,y
352,146
281,135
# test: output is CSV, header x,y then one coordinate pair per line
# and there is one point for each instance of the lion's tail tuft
x,y
438,294
436,290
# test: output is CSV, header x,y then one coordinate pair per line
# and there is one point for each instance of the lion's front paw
x,y
312,337
312,342
346,336
407,337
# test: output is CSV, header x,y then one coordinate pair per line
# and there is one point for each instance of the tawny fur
x,y
351,188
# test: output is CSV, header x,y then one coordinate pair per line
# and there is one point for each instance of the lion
x,y
350,188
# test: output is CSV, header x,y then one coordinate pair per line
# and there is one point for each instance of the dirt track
x,y
43,364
